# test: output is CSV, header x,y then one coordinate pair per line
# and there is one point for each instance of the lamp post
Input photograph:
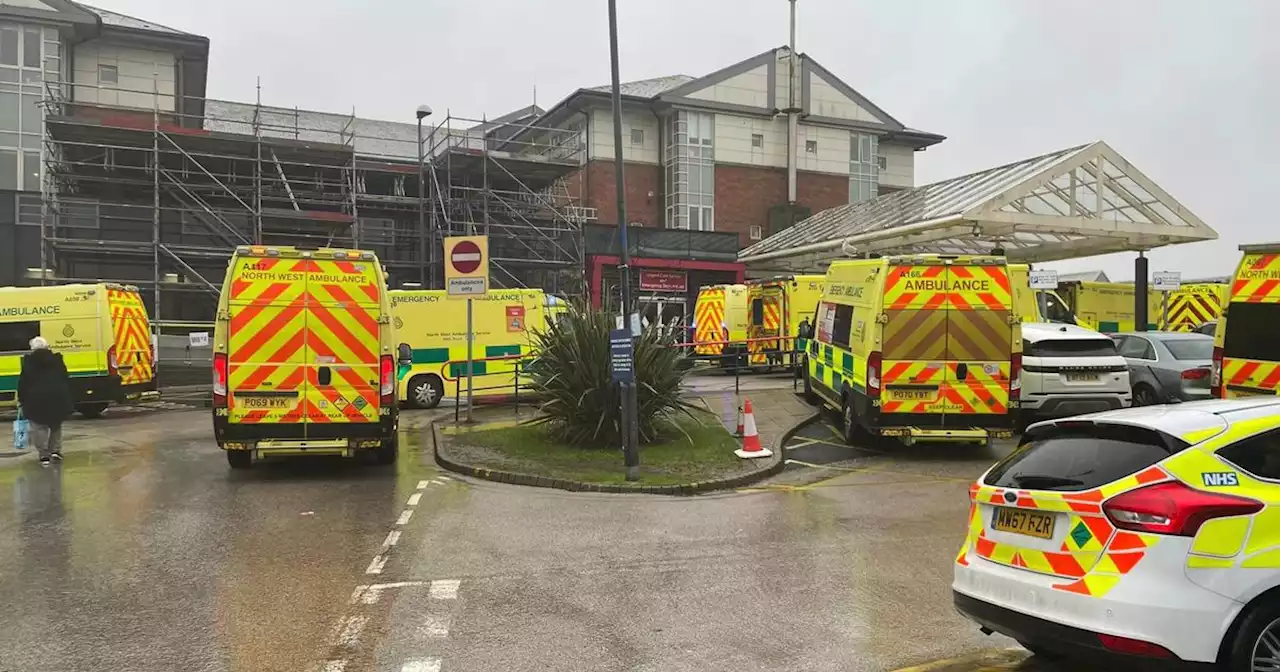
x,y
630,451
424,242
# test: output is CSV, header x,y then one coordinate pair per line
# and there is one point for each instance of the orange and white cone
x,y
751,447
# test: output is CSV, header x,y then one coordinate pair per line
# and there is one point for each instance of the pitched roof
x,y
118,20
646,88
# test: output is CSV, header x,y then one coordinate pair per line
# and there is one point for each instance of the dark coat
x,y
44,388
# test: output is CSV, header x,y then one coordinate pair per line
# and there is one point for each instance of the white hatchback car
x,y
1147,537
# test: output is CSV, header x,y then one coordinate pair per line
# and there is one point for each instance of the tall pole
x,y
793,119
423,236
630,451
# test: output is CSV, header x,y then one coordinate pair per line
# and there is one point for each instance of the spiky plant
x,y
580,401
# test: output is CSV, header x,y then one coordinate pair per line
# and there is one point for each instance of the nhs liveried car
x,y
1147,537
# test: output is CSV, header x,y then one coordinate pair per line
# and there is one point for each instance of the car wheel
x,y
1143,395
1257,640
425,391
239,459
849,421
93,410
387,452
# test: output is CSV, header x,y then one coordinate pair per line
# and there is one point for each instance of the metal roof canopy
x,y
1077,202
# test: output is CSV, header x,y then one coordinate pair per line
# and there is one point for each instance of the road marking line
x,y
445,590
375,567
442,477
372,592
425,665
404,517
415,498
393,538
349,636
358,593
334,666
423,484
435,627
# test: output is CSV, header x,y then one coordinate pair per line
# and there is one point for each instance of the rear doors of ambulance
x,y
1247,356
767,307
947,348
303,341
130,339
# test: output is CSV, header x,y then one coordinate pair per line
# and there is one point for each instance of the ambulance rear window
x,y
1251,333
757,312
16,336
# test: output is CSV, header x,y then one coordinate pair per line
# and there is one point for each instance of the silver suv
x,y
1070,370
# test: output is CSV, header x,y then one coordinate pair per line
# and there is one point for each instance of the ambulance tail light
x,y
873,375
1215,374
219,379
1174,508
388,377
1015,376
113,364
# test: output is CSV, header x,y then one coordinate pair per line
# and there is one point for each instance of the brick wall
x,y
820,191
744,196
596,184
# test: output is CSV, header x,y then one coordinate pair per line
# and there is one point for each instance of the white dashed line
x,y
371,593
445,478
393,538
334,666
445,590
357,594
435,627
425,665
415,498
422,485
350,633
375,567
440,481
404,517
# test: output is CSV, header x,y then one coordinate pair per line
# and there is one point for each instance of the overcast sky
x,y
1186,90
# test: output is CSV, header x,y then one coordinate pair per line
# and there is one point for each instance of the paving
x,y
143,552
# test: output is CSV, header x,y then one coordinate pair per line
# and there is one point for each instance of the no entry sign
x,y
466,268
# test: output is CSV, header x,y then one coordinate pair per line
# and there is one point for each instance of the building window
x,y
757,140
810,146
864,167
882,161
757,232
690,170
108,75
29,55
637,136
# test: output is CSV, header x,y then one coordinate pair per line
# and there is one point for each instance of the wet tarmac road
x,y
144,552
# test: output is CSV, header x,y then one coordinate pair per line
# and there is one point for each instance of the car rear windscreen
x,y
1251,332
1086,347
1081,456
1190,348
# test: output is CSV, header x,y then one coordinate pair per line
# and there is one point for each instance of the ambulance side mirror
x,y
405,354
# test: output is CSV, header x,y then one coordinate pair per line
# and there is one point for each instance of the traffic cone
x,y
738,432
751,447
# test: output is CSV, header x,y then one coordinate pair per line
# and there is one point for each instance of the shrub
x,y
580,401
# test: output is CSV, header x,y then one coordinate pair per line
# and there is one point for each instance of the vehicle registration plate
x,y
925,394
1082,377
264,402
1021,521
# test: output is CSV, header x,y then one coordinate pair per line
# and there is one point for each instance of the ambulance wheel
x,y
93,410
387,452
425,391
809,395
849,421
1255,636
239,459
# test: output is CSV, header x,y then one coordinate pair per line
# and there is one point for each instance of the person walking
x,y
44,393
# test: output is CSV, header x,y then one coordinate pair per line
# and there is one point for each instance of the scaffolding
x,y
158,193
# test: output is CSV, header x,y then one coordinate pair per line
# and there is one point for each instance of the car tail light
x,y
1134,647
219,379
1215,374
113,364
1015,376
1195,374
873,375
1173,508
388,378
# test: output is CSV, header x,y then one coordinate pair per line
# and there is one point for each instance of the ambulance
x,y
720,314
431,337
1036,305
1107,306
102,332
303,356
1193,305
920,347
1246,352
775,309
